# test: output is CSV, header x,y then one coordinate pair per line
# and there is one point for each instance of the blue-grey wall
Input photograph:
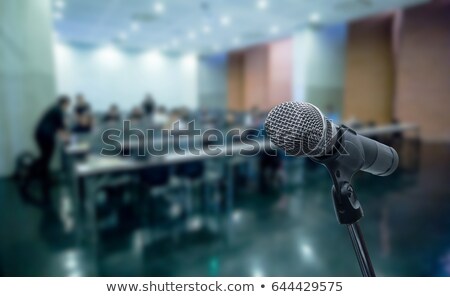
x,y
213,81
26,74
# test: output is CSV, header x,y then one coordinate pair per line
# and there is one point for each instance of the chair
x,y
114,204
156,185
190,175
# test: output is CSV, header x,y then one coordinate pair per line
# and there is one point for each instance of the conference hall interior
x,y
97,175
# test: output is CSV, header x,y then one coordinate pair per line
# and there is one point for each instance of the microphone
x,y
301,130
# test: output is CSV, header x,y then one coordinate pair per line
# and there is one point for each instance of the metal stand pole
x,y
360,248
349,212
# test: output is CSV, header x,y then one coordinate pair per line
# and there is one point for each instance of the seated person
x,y
160,118
252,118
84,123
178,119
332,114
112,115
81,106
231,120
136,114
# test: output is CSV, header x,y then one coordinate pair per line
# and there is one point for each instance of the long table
x,y
84,146
389,129
95,165
95,171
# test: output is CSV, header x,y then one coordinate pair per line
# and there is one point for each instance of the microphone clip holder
x,y
342,165
347,207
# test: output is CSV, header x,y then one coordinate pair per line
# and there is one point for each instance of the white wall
x,y
107,75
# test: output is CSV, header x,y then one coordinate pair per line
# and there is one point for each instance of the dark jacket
x,y
50,123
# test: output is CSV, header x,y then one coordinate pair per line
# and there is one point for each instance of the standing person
x,y
148,106
51,125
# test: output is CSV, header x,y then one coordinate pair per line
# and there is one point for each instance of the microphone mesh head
x,y
298,128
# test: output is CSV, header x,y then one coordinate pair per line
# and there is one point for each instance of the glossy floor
x,y
278,233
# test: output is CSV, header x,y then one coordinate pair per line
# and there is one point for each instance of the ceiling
x,y
201,26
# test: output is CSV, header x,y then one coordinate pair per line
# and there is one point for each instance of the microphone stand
x,y
348,210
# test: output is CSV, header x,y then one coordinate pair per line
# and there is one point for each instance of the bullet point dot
x,y
262,286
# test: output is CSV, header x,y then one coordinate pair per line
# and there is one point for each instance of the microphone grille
x,y
297,127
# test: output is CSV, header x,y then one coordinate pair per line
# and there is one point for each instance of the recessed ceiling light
x,y
60,4
159,7
314,17
191,35
58,16
206,29
225,20
274,29
123,36
135,26
262,4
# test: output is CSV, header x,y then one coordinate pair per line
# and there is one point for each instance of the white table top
x,y
103,164
387,129
96,164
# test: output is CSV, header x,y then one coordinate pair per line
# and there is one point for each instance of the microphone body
x,y
370,155
302,130
379,159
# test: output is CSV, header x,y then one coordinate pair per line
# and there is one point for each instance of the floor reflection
x,y
289,232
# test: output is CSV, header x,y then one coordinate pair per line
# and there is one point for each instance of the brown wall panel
x,y
423,70
236,81
369,85
280,72
256,78
260,76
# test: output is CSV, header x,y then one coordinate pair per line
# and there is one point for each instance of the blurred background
x,y
69,69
